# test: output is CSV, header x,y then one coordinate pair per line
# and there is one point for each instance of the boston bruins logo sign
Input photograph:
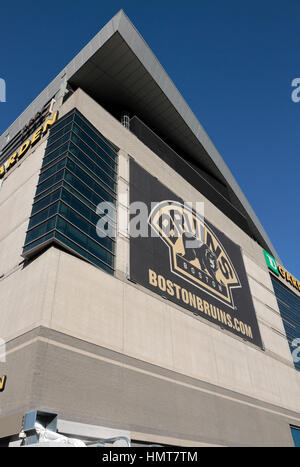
x,y
196,254
179,255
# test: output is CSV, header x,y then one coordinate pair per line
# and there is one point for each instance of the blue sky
x,y
233,62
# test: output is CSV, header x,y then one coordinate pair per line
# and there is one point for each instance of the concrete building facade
x,y
108,355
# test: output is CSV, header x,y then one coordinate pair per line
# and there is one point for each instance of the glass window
x,y
89,229
84,241
94,146
51,170
55,136
57,143
78,172
40,230
85,254
289,307
94,183
88,166
83,192
37,198
63,121
296,436
81,207
54,155
40,242
45,201
49,182
91,157
43,215
80,196
109,148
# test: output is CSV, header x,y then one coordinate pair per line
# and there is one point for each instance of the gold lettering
x,y
152,278
192,299
281,270
213,311
206,308
170,288
177,288
223,317
2,171
49,123
162,283
11,161
2,383
185,296
236,324
248,331
289,278
229,320
199,304
36,136
24,148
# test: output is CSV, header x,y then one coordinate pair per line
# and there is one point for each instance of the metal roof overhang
x,y
118,69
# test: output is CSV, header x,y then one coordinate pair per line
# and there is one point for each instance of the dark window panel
x,y
95,147
93,182
92,167
81,190
85,254
289,307
100,139
56,144
56,136
39,242
54,155
52,170
37,198
63,121
49,199
82,208
71,186
51,181
41,216
85,242
40,230
88,229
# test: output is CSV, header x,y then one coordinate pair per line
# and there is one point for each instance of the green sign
x,y
271,263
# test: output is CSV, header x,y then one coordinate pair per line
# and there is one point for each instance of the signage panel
x,y
17,155
280,271
206,277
